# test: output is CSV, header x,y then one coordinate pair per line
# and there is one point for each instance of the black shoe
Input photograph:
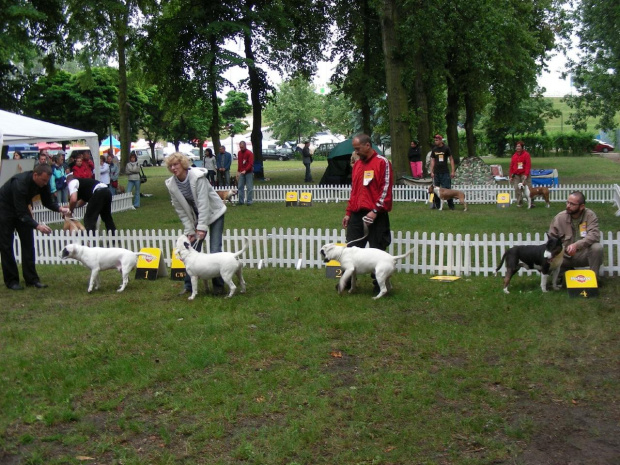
x,y
218,290
185,291
37,284
15,287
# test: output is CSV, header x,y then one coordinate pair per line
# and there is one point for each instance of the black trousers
x,y
379,234
8,226
99,204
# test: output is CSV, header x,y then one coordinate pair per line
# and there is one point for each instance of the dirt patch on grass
x,y
574,434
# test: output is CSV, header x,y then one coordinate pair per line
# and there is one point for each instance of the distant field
x,y
560,125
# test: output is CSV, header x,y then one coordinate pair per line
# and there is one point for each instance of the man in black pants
x,y
15,197
98,197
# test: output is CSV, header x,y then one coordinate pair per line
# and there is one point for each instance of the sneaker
x,y
133,208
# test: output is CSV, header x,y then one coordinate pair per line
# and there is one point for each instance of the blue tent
x,y
106,142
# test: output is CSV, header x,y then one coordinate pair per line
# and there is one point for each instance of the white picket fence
x,y
433,253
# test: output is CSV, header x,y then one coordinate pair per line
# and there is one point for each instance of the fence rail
x,y
433,253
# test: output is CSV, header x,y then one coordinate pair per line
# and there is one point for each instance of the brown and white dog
x,y
72,225
531,193
228,195
445,194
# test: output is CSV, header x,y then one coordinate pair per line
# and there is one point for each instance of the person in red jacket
x,y
520,167
81,169
371,197
245,172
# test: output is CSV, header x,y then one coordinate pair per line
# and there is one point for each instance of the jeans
x,y
136,196
216,230
308,177
246,180
223,178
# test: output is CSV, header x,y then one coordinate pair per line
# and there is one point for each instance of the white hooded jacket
x,y
209,205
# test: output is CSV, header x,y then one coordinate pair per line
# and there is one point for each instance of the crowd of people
x,y
202,211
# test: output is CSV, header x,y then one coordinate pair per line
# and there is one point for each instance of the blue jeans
x,y
246,180
216,230
136,196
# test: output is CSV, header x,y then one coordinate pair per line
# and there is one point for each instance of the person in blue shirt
x,y
223,162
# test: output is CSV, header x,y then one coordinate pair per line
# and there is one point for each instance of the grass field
x,y
560,124
291,373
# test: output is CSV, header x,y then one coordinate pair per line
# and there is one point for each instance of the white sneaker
x,y
134,208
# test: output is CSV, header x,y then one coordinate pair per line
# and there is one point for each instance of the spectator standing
x,y
88,161
15,197
210,164
80,169
415,160
132,170
17,155
42,159
104,171
245,171
96,194
519,172
580,233
59,179
223,162
306,157
114,172
442,169
198,206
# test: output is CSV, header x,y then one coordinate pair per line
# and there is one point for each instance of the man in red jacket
x,y
371,197
245,171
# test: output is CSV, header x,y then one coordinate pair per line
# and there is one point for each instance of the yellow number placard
x,y
503,200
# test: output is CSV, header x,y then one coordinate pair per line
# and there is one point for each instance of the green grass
x,y
559,124
291,373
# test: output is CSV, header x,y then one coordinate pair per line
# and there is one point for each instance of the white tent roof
x,y
16,129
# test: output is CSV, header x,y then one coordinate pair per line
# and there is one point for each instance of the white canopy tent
x,y
16,129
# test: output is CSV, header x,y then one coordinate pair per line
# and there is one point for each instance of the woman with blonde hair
x,y
198,206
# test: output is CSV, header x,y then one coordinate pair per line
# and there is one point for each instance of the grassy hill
x,y
559,124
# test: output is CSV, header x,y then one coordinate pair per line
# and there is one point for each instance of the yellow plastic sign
x,y
150,267
332,268
305,200
178,268
503,200
291,199
581,283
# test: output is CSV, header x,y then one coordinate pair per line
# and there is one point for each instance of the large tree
x,y
31,39
596,74
295,110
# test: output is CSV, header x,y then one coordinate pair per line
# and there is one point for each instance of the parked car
x,y
277,154
600,146
143,156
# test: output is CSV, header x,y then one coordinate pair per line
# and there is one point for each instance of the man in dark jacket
x,y
15,197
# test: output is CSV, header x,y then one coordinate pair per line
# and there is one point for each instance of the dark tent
x,y
339,164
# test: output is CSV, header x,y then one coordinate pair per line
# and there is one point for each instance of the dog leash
x,y
361,238
197,244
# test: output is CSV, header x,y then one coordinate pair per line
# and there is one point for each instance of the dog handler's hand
x,y
45,229
200,235
345,221
64,210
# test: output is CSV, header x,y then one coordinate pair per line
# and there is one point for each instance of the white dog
x,y
100,258
207,266
354,260
526,193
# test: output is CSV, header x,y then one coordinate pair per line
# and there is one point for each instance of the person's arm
x,y
453,169
527,165
432,167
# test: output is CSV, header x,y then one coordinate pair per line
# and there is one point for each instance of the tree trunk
x,y
214,129
470,114
123,104
365,106
422,113
452,120
397,96
255,91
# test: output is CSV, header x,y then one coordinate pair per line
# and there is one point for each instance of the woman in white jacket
x,y
198,206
